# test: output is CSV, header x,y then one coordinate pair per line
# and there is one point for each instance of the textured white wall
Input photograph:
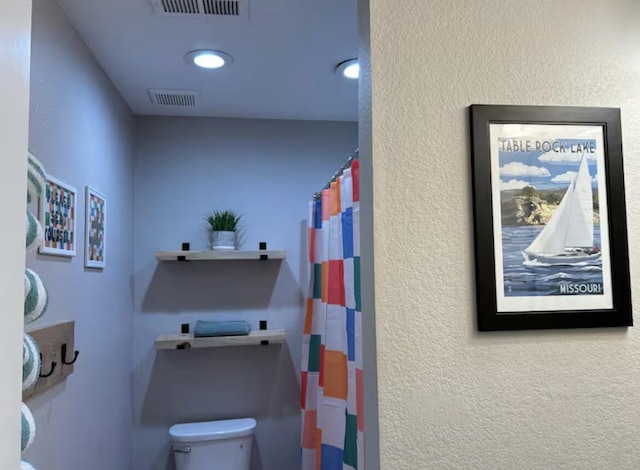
x,y
371,442
266,170
83,133
15,27
451,398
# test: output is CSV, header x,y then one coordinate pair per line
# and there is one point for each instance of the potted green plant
x,y
223,226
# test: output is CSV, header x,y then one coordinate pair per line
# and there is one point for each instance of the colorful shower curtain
x,y
332,394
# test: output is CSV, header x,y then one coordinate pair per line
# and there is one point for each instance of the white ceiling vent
x,y
221,7
202,8
173,98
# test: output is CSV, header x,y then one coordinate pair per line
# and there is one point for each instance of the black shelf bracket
x,y
186,246
184,346
263,247
263,326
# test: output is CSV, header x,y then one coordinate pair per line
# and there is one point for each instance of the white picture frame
x,y
58,216
95,235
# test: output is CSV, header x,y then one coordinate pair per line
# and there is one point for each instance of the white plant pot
x,y
224,241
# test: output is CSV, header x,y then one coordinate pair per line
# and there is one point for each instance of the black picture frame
x,y
514,297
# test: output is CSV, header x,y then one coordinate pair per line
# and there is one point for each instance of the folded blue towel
x,y
206,329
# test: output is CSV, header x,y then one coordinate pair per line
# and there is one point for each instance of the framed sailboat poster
x,y
550,222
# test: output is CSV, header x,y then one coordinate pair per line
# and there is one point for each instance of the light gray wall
x,y
449,397
15,26
371,434
267,171
82,132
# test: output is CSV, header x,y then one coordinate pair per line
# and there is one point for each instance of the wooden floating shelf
x,y
187,341
211,255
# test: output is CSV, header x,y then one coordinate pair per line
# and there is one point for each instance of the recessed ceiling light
x,y
209,59
349,68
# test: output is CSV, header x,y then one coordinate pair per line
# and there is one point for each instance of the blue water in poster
x,y
532,278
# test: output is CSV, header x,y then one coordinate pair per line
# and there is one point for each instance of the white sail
x,y
580,232
571,225
551,238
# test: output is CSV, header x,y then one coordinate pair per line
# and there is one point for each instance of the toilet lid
x,y
212,430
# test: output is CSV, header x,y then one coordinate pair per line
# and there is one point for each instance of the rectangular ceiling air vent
x,y
173,98
221,7
202,8
184,7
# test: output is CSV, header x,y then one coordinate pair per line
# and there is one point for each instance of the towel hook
x,y
53,368
64,355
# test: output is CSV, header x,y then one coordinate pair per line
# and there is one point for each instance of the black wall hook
x,y
53,368
64,355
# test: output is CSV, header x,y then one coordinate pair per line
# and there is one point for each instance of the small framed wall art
x,y
58,218
550,221
95,229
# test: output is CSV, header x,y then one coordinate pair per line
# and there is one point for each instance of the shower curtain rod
x,y
338,173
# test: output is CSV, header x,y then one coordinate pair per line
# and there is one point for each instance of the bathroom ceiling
x,y
285,53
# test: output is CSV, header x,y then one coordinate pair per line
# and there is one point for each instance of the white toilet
x,y
213,445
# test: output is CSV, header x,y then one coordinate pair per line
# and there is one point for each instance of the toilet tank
x,y
213,445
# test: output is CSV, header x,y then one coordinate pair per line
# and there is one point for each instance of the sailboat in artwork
x,y
568,236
